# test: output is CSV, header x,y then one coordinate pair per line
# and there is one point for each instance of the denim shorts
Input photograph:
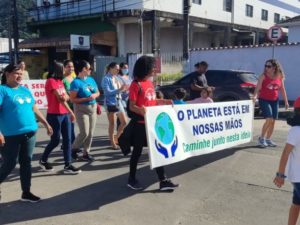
x,y
269,108
116,108
296,194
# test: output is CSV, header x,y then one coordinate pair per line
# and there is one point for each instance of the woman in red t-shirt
x,y
141,95
267,89
59,116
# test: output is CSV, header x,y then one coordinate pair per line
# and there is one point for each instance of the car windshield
x,y
248,77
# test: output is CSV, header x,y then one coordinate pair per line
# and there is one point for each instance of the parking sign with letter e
x,y
275,33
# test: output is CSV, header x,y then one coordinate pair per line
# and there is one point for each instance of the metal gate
x,y
100,64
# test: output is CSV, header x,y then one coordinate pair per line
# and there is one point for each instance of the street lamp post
x,y
186,37
15,30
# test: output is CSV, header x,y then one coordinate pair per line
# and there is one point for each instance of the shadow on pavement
x,y
94,196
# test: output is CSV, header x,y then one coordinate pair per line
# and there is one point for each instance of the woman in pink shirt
x,y
267,90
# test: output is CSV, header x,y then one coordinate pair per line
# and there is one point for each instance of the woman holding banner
x,y
268,86
142,95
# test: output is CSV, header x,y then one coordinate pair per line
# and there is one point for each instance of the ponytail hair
x,y
57,71
110,66
79,65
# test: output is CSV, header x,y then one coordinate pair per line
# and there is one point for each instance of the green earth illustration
x,y
164,128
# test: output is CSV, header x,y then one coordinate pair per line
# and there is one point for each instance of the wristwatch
x,y
280,175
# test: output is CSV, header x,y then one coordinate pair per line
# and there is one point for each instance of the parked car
x,y
230,85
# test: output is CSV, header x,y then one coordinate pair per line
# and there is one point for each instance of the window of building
x,y
276,18
264,15
249,10
228,5
199,2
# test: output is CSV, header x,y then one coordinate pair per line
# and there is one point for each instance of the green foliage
x,y
166,77
6,17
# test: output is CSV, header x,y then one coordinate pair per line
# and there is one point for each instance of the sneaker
x,y
262,142
134,184
88,157
45,166
74,155
77,150
166,185
71,170
29,197
271,143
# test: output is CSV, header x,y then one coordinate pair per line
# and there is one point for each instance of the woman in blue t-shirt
x,y
18,128
83,94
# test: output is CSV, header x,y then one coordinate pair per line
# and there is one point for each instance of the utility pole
x,y
15,30
186,31
9,40
141,33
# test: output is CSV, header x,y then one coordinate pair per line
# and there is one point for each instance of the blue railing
x,y
76,8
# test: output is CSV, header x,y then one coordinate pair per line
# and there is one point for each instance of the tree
x,y
5,17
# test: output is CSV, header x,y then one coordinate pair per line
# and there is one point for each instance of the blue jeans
x,y
296,194
269,108
61,124
72,132
18,147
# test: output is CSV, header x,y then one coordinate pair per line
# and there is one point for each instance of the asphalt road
x,y
233,186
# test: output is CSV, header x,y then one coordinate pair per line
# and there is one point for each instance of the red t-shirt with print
x,y
144,97
270,88
54,106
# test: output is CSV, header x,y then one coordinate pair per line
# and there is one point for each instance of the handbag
x,y
99,110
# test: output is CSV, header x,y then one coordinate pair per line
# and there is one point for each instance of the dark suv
x,y
230,85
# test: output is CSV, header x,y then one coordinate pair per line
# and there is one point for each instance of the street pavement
x,y
233,186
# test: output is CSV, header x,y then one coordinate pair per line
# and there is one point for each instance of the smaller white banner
x,y
37,88
80,42
175,133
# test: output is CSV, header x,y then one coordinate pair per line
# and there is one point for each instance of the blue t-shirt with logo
x,y
16,111
84,88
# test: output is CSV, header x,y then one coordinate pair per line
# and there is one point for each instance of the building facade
x,y
118,27
294,28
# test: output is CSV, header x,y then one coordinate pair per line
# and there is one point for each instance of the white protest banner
x,y
37,88
175,133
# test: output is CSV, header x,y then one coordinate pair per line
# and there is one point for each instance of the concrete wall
x,y
256,21
294,34
170,39
253,59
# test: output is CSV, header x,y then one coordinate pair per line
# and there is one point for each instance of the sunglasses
x,y
268,66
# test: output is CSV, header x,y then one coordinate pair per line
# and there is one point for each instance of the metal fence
x,y
100,64
171,58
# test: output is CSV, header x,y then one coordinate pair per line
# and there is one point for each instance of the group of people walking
x,y
73,99
70,99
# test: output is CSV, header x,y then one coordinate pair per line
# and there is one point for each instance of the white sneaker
x,y
271,143
262,142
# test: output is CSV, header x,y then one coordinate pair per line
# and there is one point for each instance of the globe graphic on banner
x,y
164,128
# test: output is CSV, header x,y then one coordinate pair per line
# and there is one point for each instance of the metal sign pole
x,y
273,49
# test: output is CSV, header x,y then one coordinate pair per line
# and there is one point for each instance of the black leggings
x,y
140,140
